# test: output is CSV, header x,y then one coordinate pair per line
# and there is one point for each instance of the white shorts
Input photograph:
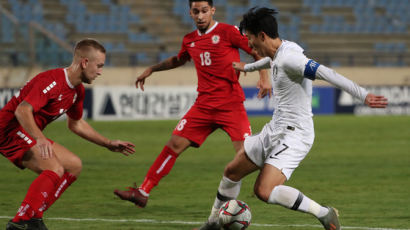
x,y
282,148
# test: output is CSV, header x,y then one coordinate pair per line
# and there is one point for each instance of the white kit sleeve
x,y
331,76
263,63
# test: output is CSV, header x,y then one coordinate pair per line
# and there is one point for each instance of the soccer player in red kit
x,y
213,47
42,100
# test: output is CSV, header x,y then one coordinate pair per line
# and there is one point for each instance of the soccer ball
x,y
234,215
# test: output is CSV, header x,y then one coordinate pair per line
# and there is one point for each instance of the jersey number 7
x,y
280,151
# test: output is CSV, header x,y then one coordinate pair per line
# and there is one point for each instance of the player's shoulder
x,y
56,71
290,52
291,47
227,28
191,35
222,25
52,75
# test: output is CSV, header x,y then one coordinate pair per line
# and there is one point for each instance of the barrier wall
x,y
172,102
168,94
186,76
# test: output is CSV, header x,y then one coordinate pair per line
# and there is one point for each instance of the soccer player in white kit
x,y
286,140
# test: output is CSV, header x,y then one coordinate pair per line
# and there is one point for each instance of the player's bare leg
x,y
269,188
230,185
51,172
72,169
160,168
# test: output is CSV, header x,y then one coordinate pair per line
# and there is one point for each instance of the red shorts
x,y
198,123
14,144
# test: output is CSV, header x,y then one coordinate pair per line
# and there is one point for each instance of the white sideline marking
x,y
198,223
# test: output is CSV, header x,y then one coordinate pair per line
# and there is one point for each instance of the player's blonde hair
x,y
83,47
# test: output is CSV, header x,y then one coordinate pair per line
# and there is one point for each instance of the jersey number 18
x,y
205,58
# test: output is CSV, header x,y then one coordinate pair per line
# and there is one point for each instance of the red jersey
x,y
213,54
50,94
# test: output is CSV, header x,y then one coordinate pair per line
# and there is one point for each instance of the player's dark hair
x,y
210,2
258,20
85,44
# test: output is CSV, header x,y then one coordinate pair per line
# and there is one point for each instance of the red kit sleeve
x,y
239,40
40,92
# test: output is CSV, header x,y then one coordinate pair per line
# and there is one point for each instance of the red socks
x,y
160,168
39,191
43,192
66,180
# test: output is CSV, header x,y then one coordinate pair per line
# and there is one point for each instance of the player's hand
x,y
375,101
124,147
141,79
45,147
264,85
240,66
265,88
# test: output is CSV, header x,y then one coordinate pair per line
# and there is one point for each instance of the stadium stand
x,y
141,32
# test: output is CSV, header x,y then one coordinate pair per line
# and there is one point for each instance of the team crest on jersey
x,y
275,73
215,39
192,44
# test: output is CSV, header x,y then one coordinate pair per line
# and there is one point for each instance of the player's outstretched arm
x,y
338,80
264,85
263,63
123,147
170,63
84,130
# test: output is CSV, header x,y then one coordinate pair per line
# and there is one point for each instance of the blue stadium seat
x,y
260,3
7,30
374,17
106,2
142,58
119,47
134,19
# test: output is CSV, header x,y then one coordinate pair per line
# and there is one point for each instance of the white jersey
x,y
291,75
286,140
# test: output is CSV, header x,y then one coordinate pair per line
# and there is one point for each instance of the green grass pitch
x,y
360,165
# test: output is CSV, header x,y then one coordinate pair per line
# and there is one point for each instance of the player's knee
x,y
231,172
178,144
58,169
262,192
75,166
175,146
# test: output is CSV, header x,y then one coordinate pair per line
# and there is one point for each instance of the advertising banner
x,y
6,94
128,103
322,101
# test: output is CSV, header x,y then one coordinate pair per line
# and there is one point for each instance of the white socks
x,y
283,195
227,190
293,199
